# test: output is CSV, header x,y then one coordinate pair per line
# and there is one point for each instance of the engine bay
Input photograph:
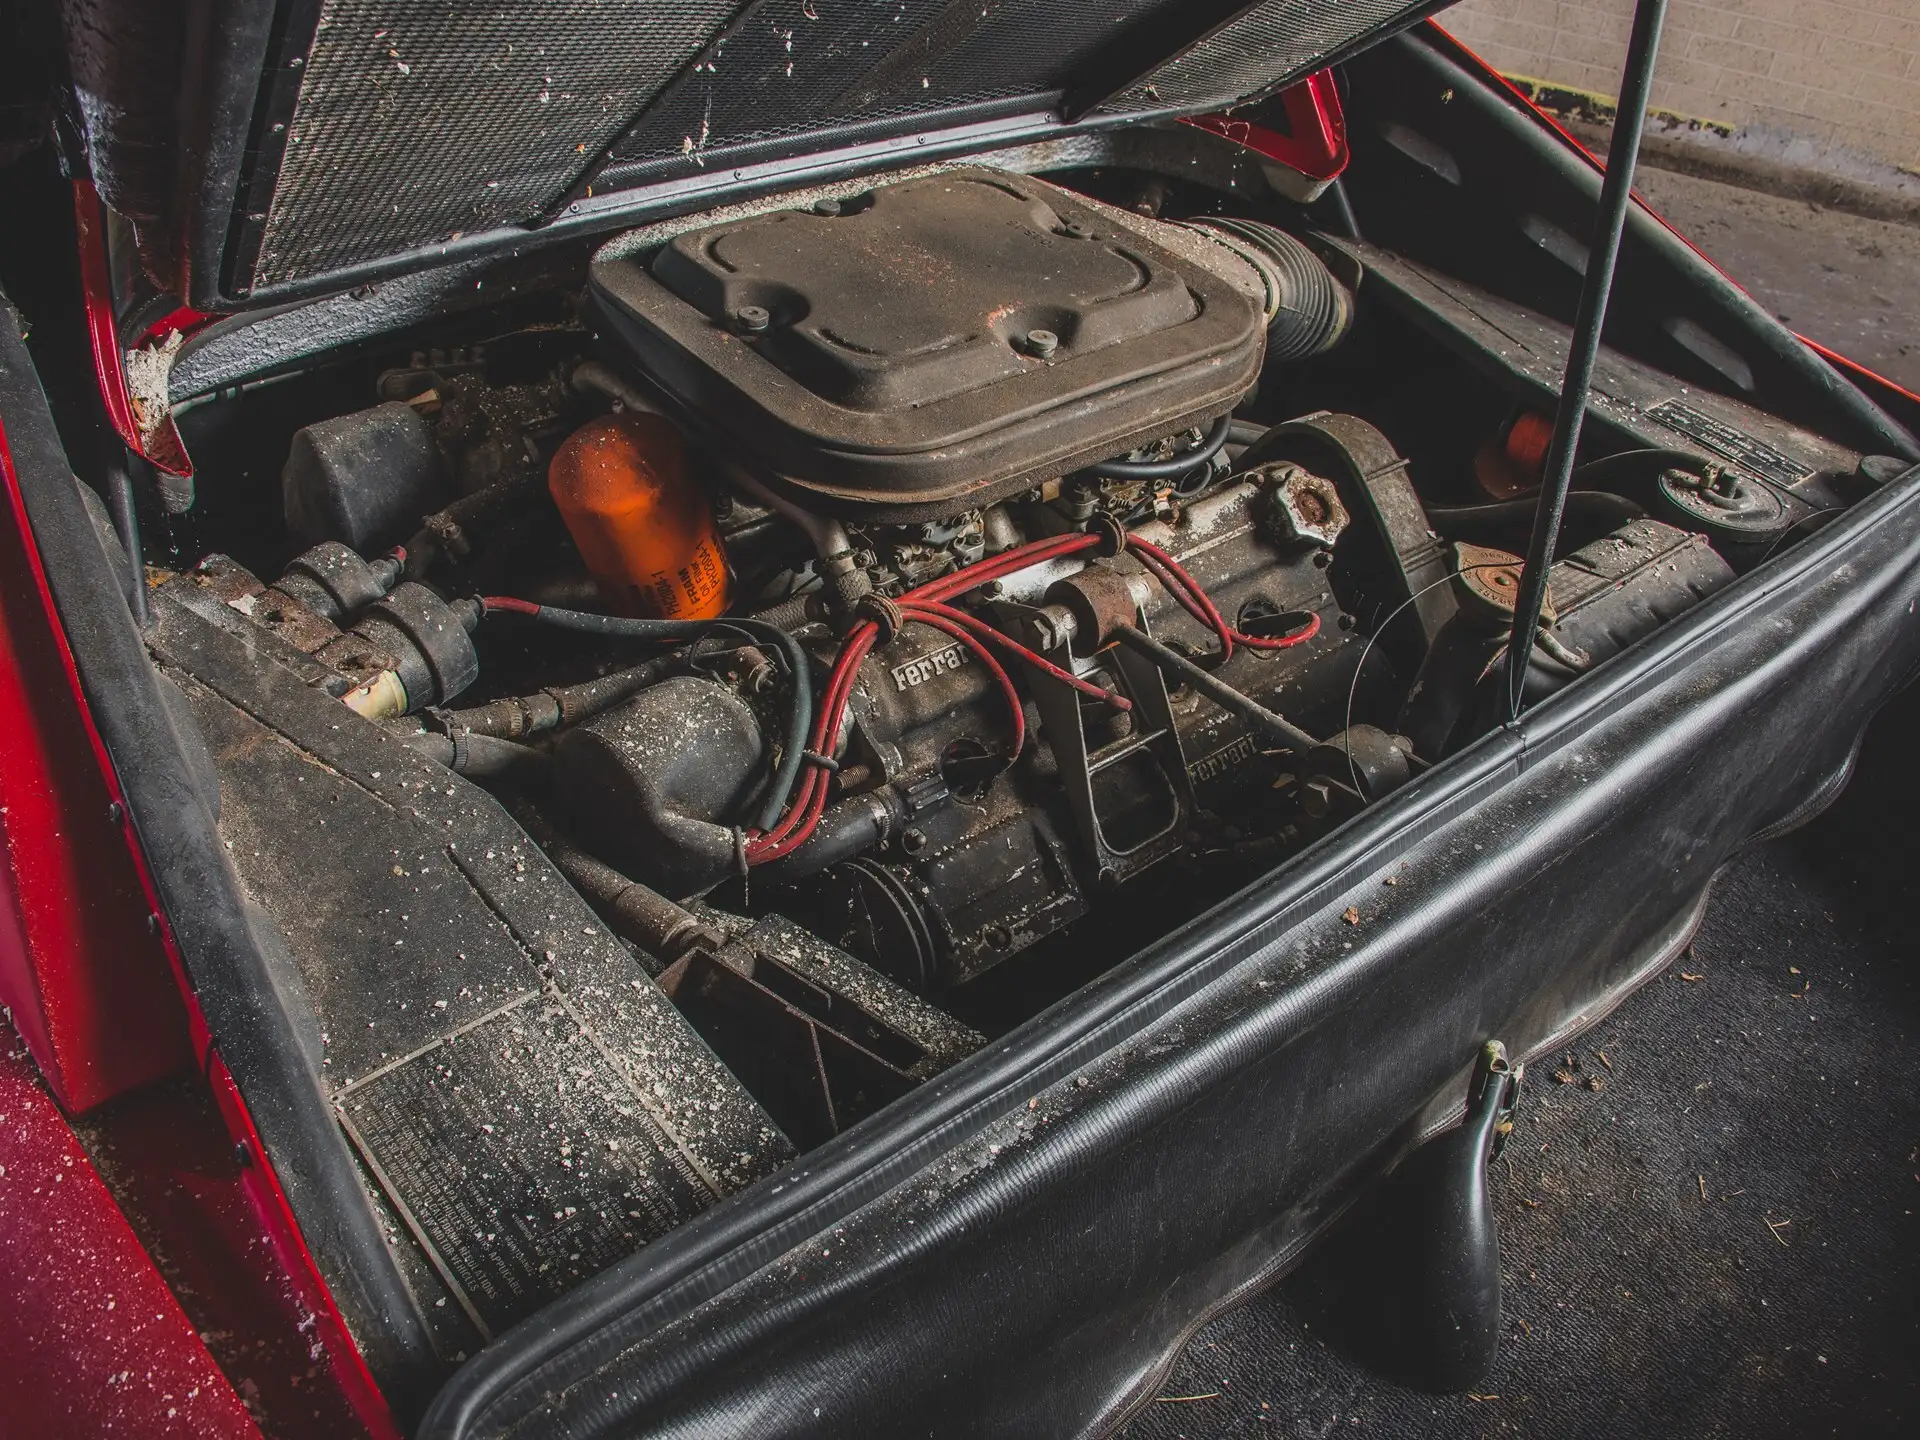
x,y
668,732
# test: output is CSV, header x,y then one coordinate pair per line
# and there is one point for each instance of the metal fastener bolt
x,y
753,319
1042,343
826,207
913,841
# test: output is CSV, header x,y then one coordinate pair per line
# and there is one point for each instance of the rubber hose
x,y
510,718
1594,472
1465,522
1308,310
1171,469
482,757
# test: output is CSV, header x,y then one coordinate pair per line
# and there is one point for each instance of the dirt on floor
x,y
1851,284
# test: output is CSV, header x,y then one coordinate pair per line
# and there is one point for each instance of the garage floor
x,y
1707,1210
1851,284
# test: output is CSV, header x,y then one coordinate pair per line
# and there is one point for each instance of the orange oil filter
x,y
1508,465
638,519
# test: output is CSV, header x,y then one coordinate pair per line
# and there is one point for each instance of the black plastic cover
x,y
363,479
935,344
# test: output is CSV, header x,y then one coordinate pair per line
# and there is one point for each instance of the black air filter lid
x,y
934,344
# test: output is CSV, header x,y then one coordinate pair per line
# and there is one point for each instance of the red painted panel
x,y
89,983
165,449
171,1163
88,963
1314,141
92,1342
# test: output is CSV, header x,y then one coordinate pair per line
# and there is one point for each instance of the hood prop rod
x,y
1616,193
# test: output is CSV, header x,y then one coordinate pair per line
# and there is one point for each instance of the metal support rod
x,y
127,525
1616,193
1172,662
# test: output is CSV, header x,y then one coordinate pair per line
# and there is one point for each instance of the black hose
x,y
799,723
1308,309
518,715
851,827
1467,522
1596,472
482,757
1171,469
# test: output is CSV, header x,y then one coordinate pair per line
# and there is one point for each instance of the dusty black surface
x,y
1708,1225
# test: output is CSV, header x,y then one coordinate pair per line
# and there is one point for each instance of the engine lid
x,y
267,152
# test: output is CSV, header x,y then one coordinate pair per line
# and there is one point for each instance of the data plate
x,y
520,1159
1749,454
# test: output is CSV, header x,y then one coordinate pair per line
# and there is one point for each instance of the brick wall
x,y
1834,76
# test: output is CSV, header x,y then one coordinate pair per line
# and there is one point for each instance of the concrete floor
x,y
1851,284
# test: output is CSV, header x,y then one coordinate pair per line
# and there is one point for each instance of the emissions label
x,y
519,1159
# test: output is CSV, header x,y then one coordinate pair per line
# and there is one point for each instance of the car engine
x,y
886,607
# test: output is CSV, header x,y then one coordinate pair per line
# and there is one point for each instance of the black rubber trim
x,y
252,1028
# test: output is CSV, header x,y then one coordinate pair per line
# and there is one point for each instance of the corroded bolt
x,y
1042,343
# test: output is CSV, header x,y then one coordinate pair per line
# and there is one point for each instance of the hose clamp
x,y
1113,535
882,613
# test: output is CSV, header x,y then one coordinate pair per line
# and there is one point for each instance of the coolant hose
x,y
482,757
1173,468
1477,524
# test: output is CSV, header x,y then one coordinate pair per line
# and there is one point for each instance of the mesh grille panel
x,y
782,73
420,120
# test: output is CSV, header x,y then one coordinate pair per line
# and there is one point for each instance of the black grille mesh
x,y
864,62
420,120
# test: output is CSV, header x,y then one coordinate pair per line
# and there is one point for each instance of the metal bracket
x,y
1153,736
